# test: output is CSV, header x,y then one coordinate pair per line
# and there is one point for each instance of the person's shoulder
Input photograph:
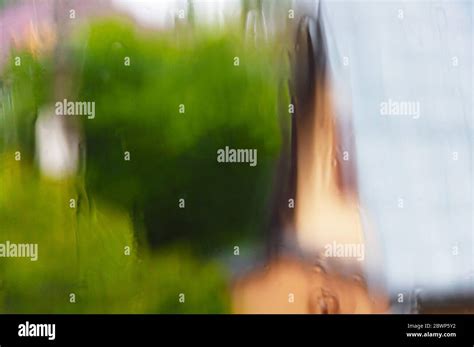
x,y
289,286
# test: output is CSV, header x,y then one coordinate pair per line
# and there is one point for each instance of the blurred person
x,y
303,274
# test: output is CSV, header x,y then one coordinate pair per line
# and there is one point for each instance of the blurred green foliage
x,y
82,251
172,156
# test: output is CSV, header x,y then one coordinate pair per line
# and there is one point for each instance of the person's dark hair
x,y
308,72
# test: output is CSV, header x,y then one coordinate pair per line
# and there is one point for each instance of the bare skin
x,y
324,213
287,286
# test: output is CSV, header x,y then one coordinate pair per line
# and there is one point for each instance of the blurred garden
x,y
130,209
